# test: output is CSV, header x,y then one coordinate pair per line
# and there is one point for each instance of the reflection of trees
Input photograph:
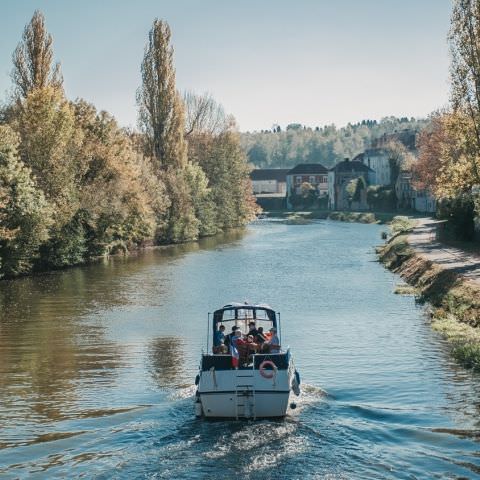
x,y
167,360
45,351
51,342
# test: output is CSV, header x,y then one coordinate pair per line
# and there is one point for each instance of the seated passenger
x,y
252,330
241,345
228,338
260,338
219,340
252,346
273,343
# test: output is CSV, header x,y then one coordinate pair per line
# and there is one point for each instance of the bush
x,y
460,214
401,224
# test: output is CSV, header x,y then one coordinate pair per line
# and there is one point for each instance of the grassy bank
x,y
342,216
455,302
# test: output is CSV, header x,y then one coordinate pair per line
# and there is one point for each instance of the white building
x,y
378,160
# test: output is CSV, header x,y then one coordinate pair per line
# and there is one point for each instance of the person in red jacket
x,y
244,346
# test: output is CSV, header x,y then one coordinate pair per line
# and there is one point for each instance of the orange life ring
x,y
267,373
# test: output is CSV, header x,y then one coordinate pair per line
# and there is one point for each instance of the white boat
x,y
258,385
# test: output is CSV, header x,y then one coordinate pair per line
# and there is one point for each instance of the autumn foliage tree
x,y
449,149
74,185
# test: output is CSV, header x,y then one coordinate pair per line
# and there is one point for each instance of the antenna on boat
x,y
279,328
208,330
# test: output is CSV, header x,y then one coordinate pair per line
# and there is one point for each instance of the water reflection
x,y
167,361
56,347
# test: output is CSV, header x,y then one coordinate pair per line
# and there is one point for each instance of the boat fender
x,y
267,373
198,409
197,379
295,386
297,377
214,377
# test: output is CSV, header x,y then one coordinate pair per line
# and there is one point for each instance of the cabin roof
x,y
234,307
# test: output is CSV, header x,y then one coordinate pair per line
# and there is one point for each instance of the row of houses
x,y
372,168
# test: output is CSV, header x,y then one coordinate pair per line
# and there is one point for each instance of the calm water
x,y
97,366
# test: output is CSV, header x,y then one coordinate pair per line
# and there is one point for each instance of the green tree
x,y
202,200
45,122
224,163
157,97
24,212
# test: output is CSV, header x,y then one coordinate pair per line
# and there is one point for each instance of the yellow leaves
x,y
454,177
449,159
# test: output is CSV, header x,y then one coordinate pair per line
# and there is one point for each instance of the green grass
x,y
361,217
405,289
402,224
297,219
345,216
464,340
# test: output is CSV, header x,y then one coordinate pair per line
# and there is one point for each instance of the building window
x,y
298,180
312,179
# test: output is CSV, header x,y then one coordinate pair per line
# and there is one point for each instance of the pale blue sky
x,y
306,61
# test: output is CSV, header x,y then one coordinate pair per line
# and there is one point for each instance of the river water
x,y
97,365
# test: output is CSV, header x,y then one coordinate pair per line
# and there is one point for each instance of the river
x,y
97,365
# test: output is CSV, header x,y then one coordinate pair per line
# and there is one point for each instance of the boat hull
x,y
267,404
251,392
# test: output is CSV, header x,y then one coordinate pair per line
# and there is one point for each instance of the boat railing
x,y
224,361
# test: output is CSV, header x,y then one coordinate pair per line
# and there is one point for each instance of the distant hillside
x,y
327,145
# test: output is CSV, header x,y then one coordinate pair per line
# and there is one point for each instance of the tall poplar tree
x,y
162,120
33,66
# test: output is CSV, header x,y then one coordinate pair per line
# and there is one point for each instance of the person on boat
x,y
252,329
244,346
260,338
229,337
252,346
219,340
274,342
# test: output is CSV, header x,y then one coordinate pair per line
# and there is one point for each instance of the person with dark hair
x,y
219,340
252,330
228,338
260,338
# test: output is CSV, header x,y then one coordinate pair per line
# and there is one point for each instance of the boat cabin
x,y
240,316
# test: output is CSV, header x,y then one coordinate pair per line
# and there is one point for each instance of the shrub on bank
x,y
465,340
360,217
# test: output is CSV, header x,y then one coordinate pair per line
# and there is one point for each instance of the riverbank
x,y
445,277
342,216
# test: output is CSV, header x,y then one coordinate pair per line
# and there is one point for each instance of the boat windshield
x,y
241,315
243,320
